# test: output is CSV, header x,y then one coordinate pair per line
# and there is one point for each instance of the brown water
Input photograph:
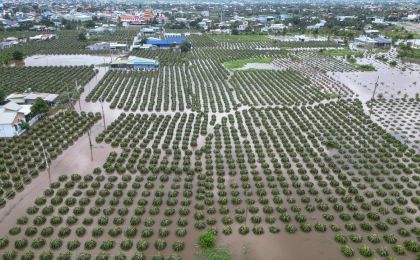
x,y
392,83
66,60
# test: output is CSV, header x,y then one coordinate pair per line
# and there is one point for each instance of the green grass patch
x,y
337,52
217,253
236,64
397,32
409,53
365,67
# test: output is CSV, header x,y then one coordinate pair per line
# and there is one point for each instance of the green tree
x,y
2,96
24,125
82,37
143,40
39,106
90,24
185,46
17,55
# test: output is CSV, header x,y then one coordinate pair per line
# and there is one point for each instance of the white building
x,y
342,18
412,17
11,116
277,27
243,27
317,26
43,37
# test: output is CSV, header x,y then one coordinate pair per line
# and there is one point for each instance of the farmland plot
x,y
44,79
286,154
200,87
22,157
401,118
325,169
324,62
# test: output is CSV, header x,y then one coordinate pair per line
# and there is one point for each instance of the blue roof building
x,y
47,15
166,42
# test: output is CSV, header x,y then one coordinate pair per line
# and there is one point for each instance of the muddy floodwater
x,y
392,83
260,66
281,246
66,60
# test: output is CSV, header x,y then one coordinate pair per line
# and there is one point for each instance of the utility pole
x,y
374,90
80,105
90,146
46,161
69,105
103,114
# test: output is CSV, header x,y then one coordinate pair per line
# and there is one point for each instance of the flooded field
x,y
392,83
259,66
282,164
66,60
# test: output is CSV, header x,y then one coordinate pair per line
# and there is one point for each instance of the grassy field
x,y
365,67
412,53
236,64
399,33
338,52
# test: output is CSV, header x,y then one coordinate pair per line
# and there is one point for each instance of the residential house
x,y
11,117
277,27
378,42
99,46
317,25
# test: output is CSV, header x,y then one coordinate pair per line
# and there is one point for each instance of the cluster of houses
x,y
17,111
105,46
10,42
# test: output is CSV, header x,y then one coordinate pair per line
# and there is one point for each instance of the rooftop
x,y
45,96
136,60
12,106
7,118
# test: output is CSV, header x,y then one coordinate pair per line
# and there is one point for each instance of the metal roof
x,y
137,61
45,96
12,106
167,41
382,40
7,118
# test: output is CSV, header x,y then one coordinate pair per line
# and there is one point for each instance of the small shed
x,y
135,64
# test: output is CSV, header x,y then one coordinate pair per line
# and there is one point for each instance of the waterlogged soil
x,y
392,83
260,66
79,159
66,60
281,246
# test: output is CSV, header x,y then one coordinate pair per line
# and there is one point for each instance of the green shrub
x,y
207,240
